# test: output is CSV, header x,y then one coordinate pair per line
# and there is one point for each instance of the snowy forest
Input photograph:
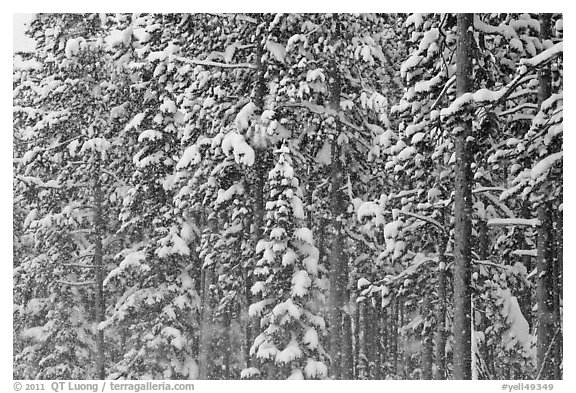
x,y
288,196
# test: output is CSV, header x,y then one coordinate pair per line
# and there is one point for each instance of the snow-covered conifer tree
x,y
287,286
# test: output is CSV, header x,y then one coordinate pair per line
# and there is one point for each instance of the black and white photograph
x,y
272,196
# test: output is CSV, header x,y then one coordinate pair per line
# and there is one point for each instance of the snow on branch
x,y
530,253
488,189
222,65
496,202
423,218
544,165
313,108
504,30
404,193
75,284
545,56
534,222
485,96
38,182
517,108
241,17
79,265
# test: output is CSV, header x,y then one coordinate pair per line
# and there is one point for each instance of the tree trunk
x,y
360,341
99,277
544,293
427,344
378,337
479,322
463,208
370,327
227,347
259,176
558,288
348,354
386,340
440,338
206,325
547,326
393,348
338,271
339,350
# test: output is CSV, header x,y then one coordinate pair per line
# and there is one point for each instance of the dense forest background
x,y
270,196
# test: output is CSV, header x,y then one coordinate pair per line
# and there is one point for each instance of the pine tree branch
x,y
423,218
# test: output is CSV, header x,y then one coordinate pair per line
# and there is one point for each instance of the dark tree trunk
x,y
427,344
402,357
393,348
340,350
99,277
360,340
440,339
548,326
227,347
558,290
370,327
480,323
484,240
338,273
386,340
545,295
378,337
348,358
463,208
259,176
206,325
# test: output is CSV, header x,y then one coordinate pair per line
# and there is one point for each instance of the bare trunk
x,y
206,325
348,358
227,347
393,349
558,276
340,350
463,209
368,344
386,339
259,175
547,327
545,296
440,339
377,337
479,322
360,342
427,345
99,277
338,273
